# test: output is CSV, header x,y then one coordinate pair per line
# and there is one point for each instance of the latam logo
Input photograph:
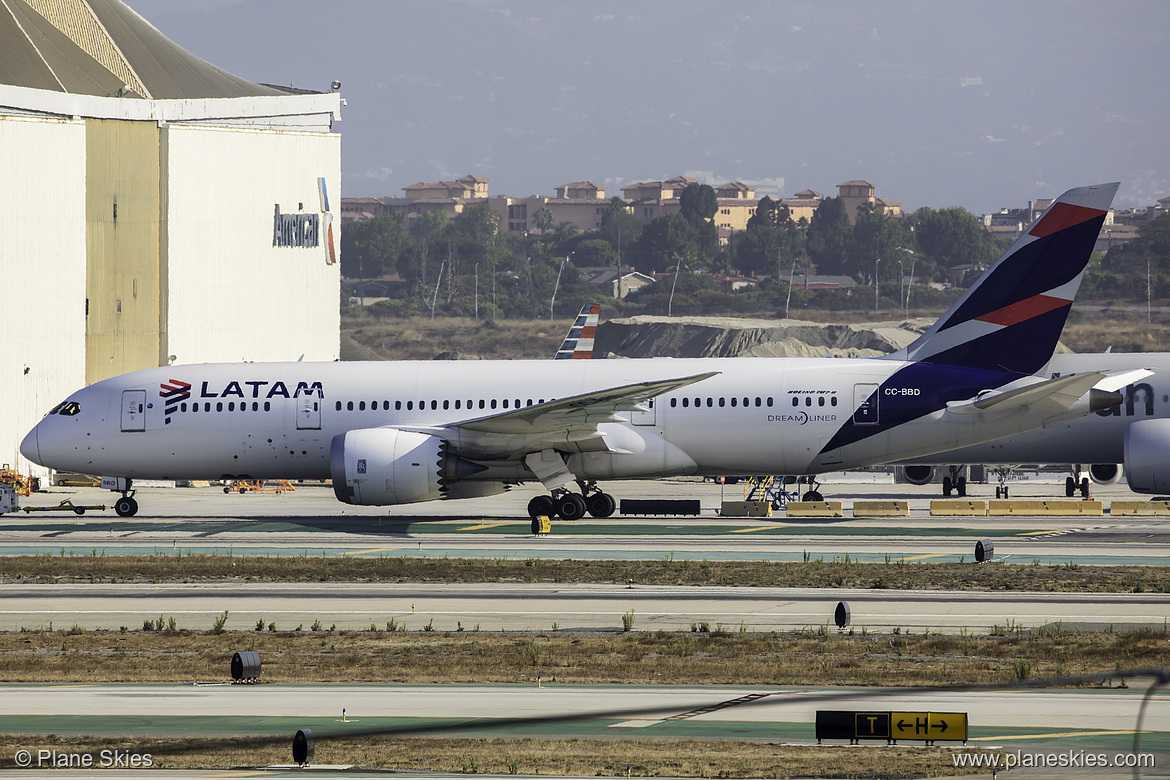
x,y
172,394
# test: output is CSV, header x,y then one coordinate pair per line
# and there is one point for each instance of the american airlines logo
x,y
172,394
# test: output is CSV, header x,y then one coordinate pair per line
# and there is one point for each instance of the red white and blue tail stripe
x,y
578,345
1011,318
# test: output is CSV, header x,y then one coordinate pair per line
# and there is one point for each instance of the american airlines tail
x,y
400,432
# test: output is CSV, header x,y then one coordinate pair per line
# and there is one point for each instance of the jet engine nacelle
x,y
1147,456
379,466
1105,473
918,475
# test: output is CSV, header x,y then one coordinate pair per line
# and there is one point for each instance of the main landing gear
x,y
955,481
573,506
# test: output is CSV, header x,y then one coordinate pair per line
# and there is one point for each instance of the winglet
x,y
578,344
1011,318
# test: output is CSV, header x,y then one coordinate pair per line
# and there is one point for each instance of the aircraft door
x,y
133,410
308,413
865,404
647,415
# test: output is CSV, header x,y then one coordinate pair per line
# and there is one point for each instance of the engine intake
x,y
1147,456
379,466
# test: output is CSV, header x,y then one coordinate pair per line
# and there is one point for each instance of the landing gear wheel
x,y
1070,487
79,510
126,507
961,486
813,495
570,506
540,505
1085,487
946,486
600,504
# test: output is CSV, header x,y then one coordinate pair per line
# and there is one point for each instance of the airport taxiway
x,y
545,607
310,521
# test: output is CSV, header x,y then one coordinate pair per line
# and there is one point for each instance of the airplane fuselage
x,y
757,415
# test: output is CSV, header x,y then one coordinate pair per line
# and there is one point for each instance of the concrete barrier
x,y
746,509
815,509
881,508
1038,507
1119,508
958,508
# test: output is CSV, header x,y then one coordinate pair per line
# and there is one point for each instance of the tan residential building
x,y
463,188
802,205
854,194
652,199
737,204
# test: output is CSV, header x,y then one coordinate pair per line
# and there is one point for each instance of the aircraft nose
x,y
30,447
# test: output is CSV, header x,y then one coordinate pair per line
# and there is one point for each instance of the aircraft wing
x,y
1060,393
565,423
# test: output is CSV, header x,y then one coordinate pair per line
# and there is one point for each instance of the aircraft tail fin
x,y
1011,318
578,344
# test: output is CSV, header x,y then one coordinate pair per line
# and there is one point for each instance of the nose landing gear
x,y
125,506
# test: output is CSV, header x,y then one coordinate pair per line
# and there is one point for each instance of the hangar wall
x,y
122,209
42,255
233,293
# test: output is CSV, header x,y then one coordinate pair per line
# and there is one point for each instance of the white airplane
x,y
1130,439
400,432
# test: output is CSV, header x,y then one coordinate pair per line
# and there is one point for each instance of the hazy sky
x,y
977,104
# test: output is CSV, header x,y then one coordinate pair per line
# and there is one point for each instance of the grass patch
x,y
574,757
814,573
813,657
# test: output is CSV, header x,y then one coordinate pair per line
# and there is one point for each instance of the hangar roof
x,y
99,47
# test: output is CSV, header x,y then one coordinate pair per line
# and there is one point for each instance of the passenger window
x,y
339,406
710,402
795,400
686,402
410,406
769,401
231,406
183,407
361,406
397,406
207,406
255,406
821,401
481,404
674,402
493,403
267,407
833,401
722,402
349,406
457,402
808,400
759,401
505,403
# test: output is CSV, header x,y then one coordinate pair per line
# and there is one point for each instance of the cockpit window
x,y
70,408
56,408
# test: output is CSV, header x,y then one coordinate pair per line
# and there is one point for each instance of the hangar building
x,y
155,209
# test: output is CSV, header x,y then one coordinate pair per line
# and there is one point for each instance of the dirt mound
x,y
637,337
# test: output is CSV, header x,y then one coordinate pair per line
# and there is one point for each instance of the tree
x,y
827,237
543,219
875,246
664,241
953,236
620,228
698,203
371,247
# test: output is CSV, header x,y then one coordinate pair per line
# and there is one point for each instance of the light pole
x,y
876,260
910,284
